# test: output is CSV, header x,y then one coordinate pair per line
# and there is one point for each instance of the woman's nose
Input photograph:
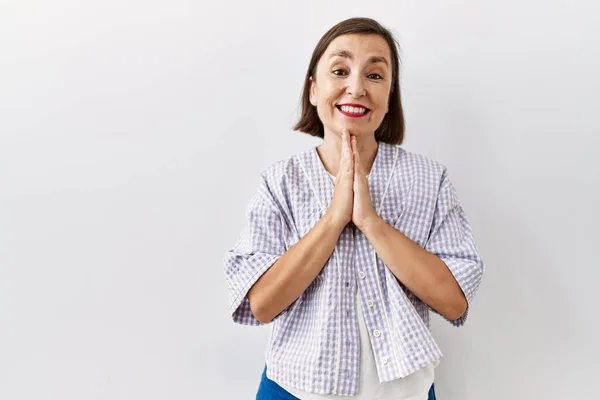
x,y
356,87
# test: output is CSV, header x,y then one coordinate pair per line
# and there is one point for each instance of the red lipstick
x,y
353,114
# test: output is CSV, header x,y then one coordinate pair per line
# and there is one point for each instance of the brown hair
x,y
391,129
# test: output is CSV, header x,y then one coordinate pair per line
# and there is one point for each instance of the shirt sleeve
x,y
451,239
259,246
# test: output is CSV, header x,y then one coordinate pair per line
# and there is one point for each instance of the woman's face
x,y
352,85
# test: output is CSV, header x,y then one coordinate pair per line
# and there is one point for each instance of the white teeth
x,y
353,110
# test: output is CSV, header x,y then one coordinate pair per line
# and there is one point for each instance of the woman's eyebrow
x,y
342,53
378,59
347,54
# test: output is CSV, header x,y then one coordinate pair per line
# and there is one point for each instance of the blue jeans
x,y
270,390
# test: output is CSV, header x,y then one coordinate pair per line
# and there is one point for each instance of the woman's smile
x,y
352,110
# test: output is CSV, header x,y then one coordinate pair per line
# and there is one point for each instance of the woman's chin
x,y
357,130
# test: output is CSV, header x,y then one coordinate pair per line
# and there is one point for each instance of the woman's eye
x,y
375,76
339,72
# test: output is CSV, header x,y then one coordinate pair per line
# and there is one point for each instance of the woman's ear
x,y
311,95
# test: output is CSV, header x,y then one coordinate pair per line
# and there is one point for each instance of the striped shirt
x,y
314,343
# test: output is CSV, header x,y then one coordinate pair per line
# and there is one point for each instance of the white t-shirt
x,y
413,387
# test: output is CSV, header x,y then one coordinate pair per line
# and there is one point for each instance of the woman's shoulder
x,y
280,179
417,163
286,168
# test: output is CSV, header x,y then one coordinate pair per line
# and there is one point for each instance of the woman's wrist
x,y
333,222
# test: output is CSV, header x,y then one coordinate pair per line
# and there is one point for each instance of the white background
x,y
132,134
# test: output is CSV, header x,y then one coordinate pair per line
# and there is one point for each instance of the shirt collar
x,y
322,185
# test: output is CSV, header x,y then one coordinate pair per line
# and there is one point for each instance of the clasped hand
x,y
351,197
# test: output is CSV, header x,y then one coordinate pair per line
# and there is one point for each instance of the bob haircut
x,y
392,128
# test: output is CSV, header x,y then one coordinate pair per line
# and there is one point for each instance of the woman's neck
x,y
330,151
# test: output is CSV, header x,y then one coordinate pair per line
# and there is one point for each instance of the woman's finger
x,y
344,156
345,144
355,156
347,152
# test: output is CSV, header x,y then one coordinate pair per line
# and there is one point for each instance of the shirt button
x,y
370,303
384,360
361,275
376,333
347,284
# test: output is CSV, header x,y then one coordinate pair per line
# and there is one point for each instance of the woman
x,y
350,244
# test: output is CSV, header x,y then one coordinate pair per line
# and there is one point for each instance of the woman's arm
x,y
422,272
446,272
295,270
